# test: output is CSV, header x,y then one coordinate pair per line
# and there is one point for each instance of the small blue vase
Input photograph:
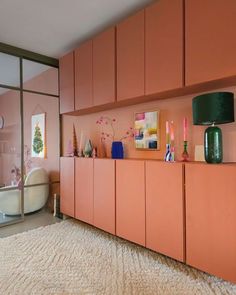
x,y
117,151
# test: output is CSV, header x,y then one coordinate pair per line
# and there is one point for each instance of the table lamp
x,y
210,109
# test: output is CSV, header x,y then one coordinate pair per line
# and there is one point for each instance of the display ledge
x,y
178,92
156,160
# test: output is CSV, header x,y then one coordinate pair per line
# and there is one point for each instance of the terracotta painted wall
x,y
170,109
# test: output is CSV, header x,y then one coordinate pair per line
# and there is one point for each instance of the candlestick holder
x,y
168,155
185,154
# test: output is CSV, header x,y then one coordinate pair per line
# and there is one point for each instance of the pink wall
x,y
170,109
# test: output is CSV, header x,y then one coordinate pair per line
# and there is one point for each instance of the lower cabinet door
x,y
104,194
165,208
67,199
211,218
130,200
84,189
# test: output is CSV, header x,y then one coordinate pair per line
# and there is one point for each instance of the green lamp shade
x,y
210,109
213,108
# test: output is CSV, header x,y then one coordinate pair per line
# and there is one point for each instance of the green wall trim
x,y
50,61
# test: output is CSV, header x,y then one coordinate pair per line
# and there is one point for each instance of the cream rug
x,y
73,258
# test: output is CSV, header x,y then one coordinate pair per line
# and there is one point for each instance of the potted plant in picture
x,y
108,133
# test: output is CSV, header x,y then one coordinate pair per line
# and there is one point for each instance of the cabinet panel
x,y
130,200
130,57
84,189
67,200
164,46
83,76
164,208
104,194
104,67
210,45
66,76
211,219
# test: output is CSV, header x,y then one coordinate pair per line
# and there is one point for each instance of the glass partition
x,y
39,77
10,156
9,70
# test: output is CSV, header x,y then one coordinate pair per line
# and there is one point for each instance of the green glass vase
x,y
213,145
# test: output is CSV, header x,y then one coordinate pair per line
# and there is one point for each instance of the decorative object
x,y
88,149
185,155
210,109
172,141
81,142
94,153
168,156
70,152
199,153
75,153
147,130
1,122
38,135
101,152
117,150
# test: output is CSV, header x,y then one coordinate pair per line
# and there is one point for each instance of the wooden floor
x,y
40,218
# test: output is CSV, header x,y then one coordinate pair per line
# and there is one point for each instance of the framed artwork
x,y
147,130
38,135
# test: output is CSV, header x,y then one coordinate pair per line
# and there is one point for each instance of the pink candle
x,y
167,132
185,123
172,136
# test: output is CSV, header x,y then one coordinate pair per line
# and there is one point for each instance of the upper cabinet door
x,y
210,40
104,67
84,76
164,46
130,57
165,208
66,74
84,189
67,203
104,194
211,218
130,200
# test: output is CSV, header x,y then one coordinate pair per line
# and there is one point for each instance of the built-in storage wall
x,y
159,54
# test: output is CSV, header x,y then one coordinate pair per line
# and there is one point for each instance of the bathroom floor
x,y
40,218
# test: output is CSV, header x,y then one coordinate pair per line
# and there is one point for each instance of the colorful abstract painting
x,y
38,136
147,130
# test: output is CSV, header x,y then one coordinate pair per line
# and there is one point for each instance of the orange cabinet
x,y
211,218
67,199
83,76
164,46
130,57
165,208
84,189
104,67
104,194
130,200
210,42
66,74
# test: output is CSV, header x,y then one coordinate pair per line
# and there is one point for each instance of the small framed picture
x,y
147,130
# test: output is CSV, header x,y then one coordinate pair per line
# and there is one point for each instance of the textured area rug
x,y
73,258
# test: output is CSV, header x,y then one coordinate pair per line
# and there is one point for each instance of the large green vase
x,y
213,145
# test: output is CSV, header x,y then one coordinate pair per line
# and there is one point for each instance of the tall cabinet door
x,y
164,46
165,208
84,76
84,189
66,74
211,218
130,57
104,194
210,40
130,200
67,199
104,67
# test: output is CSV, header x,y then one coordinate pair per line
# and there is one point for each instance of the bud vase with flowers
x,y
109,134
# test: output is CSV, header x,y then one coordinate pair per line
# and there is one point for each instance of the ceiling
x,y
54,27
